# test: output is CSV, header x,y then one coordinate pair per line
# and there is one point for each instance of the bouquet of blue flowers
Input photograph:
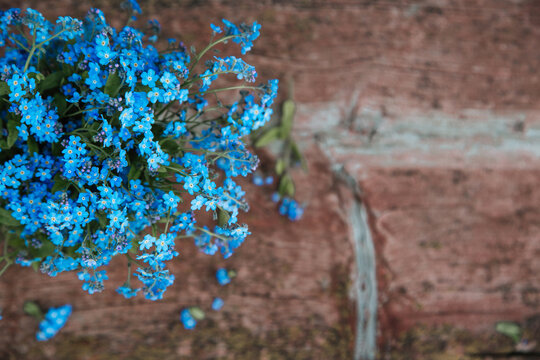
x,y
110,146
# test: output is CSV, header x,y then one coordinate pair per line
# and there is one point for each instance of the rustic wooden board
x,y
384,87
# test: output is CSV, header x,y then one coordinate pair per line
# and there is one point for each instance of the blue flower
x,y
154,95
171,200
147,242
104,125
258,180
191,184
187,319
117,218
176,128
132,5
290,208
168,80
216,29
217,304
149,78
54,320
164,242
198,202
211,204
127,291
94,80
105,55
222,276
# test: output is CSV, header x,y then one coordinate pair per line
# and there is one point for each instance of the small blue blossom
x,y
216,29
222,276
171,200
149,78
187,319
290,208
127,291
258,180
164,242
191,184
147,242
217,304
54,320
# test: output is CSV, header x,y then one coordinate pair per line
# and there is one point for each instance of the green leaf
x,y
176,165
35,266
112,85
7,219
266,138
60,102
52,81
287,117
38,76
280,167
286,186
510,329
13,132
4,88
297,156
170,146
68,70
46,249
223,217
60,184
102,219
56,149
197,312
14,237
32,145
232,274
32,309
143,88
135,172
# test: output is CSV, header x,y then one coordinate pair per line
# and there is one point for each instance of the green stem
x,y
8,264
168,221
211,233
217,73
29,58
19,43
51,38
82,111
4,253
230,88
129,271
36,46
135,261
205,50
163,109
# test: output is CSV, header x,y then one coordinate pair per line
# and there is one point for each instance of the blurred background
x,y
420,124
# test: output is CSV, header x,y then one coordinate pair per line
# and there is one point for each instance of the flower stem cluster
x,y
110,147
289,157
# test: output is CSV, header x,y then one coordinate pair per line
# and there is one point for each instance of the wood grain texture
x,y
431,105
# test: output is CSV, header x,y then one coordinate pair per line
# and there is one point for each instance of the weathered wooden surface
x,y
431,106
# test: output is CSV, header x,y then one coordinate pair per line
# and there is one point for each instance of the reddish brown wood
x,y
384,87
